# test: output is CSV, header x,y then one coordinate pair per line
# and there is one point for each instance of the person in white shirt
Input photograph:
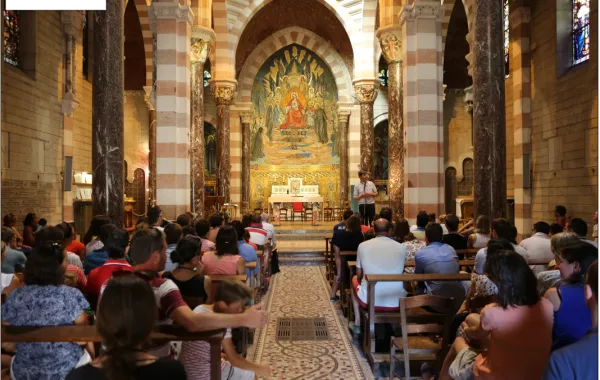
x,y
538,246
365,193
270,229
155,218
380,255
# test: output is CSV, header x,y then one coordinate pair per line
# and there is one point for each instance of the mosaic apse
x,y
294,129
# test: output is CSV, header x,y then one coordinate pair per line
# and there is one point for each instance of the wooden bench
x,y
252,279
329,260
371,317
464,253
81,334
345,280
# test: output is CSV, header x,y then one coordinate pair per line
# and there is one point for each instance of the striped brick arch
x,y
244,16
448,7
302,37
142,10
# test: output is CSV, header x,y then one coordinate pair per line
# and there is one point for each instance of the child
x,y
230,297
41,224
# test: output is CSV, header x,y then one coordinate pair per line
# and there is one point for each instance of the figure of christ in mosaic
x,y
294,100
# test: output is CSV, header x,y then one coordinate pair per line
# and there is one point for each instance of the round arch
x,y
302,37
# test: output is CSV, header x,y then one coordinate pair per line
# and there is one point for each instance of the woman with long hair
x,y
511,338
194,286
30,225
91,238
346,240
481,235
46,301
125,318
225,259
572,318
403,236
558,242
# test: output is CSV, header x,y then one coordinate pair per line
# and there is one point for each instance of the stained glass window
x,y
383,76
10,48
581,31
506,39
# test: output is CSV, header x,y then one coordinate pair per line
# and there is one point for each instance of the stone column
x,y
489,119
343,121
421,24
469,109
201,41
107,114
224,93
152,156
366,93
173,34
390,39
520,62
246,140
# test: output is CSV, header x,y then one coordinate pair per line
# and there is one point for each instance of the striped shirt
x,y
195,355
258,236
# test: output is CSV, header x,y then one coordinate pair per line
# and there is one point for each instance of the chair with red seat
x,y
297,208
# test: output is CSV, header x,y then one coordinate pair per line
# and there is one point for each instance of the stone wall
x,y
564,113
32,133
136,132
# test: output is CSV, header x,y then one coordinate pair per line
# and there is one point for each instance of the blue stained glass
x,y
581,31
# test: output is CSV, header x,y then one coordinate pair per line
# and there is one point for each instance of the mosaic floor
x,y
302,292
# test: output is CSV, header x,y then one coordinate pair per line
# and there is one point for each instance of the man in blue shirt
x,y
438,258
342,225
246,250
579,361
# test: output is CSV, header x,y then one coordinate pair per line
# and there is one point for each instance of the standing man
x,y
365,193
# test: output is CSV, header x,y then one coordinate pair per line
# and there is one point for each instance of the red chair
x,y
297,208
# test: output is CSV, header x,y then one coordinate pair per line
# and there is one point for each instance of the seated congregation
x,y
457,299
197,275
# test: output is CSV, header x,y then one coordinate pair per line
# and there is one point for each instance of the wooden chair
x,y
308,213
422,341
83,334
328,211
297,208
283,212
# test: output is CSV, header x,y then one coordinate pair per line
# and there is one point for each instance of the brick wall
x,y
136,132
564,113
32,127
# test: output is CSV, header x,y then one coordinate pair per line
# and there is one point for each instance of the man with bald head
x,y
380,255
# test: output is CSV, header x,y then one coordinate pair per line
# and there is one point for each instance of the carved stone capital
x,y
150,97
72,22
223,90
168,11
366,90
69,104
521,15
390,39
246,117
431,9
469,99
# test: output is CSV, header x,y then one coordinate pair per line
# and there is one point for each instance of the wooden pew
x,y
80,334
329,260
345,279
373,317
464,253
252,280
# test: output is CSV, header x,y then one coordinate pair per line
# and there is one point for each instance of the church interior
x,y
243,108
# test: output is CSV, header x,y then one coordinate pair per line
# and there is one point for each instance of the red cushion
x,y
378,309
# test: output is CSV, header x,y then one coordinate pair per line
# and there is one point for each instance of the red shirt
x,y
77,248
100,275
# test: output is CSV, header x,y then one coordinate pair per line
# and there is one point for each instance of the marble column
x,y
201,41
246,140
366,93
390,39
343,121
469,109
489,120
152,156
224,93
107,114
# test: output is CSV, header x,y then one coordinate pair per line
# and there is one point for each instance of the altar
x,y
296,192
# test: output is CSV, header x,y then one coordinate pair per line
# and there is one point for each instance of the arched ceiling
x,y
281,14
455,64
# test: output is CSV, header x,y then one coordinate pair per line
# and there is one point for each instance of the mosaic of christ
x,y
294,100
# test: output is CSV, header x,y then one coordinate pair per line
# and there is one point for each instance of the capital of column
x,y
521,15
223,90
167,11
469,99
69,104
343,115
390,39
431,9
246,116
366,89
72,22
203,39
